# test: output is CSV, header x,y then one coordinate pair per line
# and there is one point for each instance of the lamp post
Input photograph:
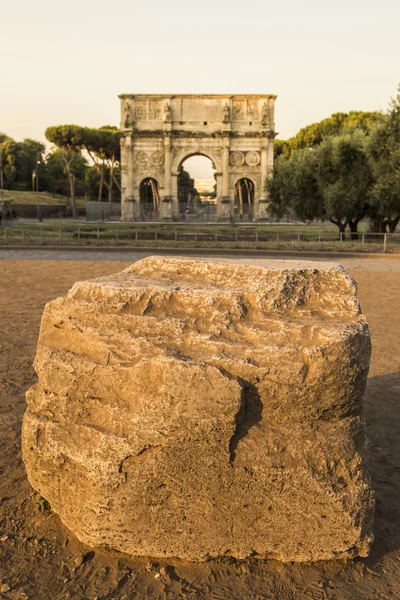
x,y
1,174
37,175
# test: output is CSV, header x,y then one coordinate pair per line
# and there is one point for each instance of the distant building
x,y
204,185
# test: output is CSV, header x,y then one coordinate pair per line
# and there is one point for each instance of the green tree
x,y
312,135
19,160
344,179
384,155
112,156
185,187
70,140
9,156
54,172
92,184
281,147
307,200
3,138
294,186
103,147
280,187
31,152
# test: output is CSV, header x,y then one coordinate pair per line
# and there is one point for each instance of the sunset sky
x,y
67,62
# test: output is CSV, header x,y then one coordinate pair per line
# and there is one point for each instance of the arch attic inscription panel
x,y
160,131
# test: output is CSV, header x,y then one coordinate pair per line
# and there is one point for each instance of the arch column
x,y
128,205
264,170
225,171
167,166
174,197
224,204
261,207
166,201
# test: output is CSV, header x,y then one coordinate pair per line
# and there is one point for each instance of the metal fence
x,y
103,211
119,235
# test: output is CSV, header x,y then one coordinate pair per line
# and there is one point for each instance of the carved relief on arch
x,y
157,158
141,158
252,158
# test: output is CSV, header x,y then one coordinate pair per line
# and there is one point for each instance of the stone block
x,y
202,408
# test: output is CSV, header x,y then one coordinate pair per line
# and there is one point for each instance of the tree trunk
x,y
376,224
240,200
384,225
341,225
393,224
100,170
156,197
110,188
353,224
71,180
101,184
117,183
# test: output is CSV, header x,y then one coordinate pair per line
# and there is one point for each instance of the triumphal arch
x,y
160,131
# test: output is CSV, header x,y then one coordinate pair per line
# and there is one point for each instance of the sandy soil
x,y
40,559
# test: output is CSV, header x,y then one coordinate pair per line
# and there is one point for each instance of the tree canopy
x,y
343,168
384,155
336,124
70,141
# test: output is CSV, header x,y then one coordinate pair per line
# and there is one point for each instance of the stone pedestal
x,y
224,209
195,409
262,211
166,209
129,209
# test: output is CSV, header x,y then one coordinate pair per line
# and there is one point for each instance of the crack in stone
x,y
248,415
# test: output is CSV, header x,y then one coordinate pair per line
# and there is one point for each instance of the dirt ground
x,y
40,559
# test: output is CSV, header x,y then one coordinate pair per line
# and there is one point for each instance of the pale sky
x,y
66,62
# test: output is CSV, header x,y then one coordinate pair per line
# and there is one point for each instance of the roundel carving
x,y
141,158
237,158
157,158
252,158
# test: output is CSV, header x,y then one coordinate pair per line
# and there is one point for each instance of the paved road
x,y
376,263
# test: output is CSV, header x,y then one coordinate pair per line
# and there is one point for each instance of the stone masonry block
x,y
198,408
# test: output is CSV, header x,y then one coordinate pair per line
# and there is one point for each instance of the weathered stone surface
x,y
197,408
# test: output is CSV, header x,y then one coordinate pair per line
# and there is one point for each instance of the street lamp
x,y
37,175
1,174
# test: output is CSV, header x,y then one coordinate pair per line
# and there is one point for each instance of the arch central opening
x,y
197,188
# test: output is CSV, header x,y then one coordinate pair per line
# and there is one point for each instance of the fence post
x,y
216,237
98,236
23,236
277,240
136,235
384,242
236,237
362,239
298,240
79,236
116,234
155,236
175,237
257,237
